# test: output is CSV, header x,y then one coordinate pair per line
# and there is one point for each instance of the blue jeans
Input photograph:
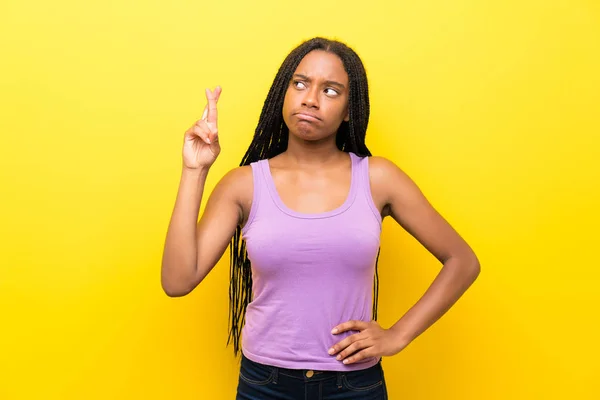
x,y
264,382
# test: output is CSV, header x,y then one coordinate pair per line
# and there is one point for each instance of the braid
x,y
271,138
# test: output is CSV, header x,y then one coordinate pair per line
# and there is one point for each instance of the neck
x,y
312,153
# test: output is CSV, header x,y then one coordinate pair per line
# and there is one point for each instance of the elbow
x,y
473,267
172,291
176,286
465,265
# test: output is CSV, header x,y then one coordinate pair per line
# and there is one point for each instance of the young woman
x,y
303,214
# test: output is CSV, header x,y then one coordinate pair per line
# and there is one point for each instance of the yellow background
x,y
492,108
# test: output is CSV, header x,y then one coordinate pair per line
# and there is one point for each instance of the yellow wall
x,y
492,107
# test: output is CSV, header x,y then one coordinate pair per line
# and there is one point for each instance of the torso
x,y
312,236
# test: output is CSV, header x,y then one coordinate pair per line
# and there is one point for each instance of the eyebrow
x,y
334,83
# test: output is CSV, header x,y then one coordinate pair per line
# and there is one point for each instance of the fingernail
x,y
331,351
334,330
345,361
208,140
339,357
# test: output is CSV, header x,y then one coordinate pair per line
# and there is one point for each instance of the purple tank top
x,y
310,272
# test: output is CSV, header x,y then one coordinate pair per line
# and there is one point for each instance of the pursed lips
x,y
307,116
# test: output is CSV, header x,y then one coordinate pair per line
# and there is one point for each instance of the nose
x,y
311,97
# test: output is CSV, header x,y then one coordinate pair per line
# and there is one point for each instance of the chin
x,y
305,130
309,136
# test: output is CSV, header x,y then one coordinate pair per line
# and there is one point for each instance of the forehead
x,y
319,64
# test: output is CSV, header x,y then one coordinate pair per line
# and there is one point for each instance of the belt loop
x,y
339,379
275,374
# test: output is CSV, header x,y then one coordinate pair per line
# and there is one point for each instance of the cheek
x,y
287,101
338,110
287,107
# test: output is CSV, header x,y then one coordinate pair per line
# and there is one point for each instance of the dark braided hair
x,y
271,139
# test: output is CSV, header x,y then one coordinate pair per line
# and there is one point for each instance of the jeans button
x,y
309,374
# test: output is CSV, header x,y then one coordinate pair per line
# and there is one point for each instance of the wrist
x,y
402,336
194,173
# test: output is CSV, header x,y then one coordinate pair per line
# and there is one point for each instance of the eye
x,y
333,92
297,83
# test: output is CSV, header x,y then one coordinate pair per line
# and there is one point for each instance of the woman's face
x,y
316,101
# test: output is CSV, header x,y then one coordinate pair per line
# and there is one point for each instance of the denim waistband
x,y
308,375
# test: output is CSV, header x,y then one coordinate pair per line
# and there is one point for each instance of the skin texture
x,y
313,176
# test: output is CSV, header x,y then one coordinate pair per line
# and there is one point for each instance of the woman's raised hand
x,y
201,141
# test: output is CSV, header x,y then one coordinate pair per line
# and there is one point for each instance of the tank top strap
x,y
356,169
261,170
260,190
360,167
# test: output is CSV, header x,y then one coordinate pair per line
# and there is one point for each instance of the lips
x,y
307,116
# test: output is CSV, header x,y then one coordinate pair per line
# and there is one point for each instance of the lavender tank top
x,y
310,272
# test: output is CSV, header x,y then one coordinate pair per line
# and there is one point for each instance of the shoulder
x,y
238,175
236,180
235,189
235,184
391,182
380,166
383,172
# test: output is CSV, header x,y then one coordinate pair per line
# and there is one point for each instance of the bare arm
x,y
409,207
193,248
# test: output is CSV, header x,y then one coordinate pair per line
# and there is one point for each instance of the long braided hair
x,y
271,138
